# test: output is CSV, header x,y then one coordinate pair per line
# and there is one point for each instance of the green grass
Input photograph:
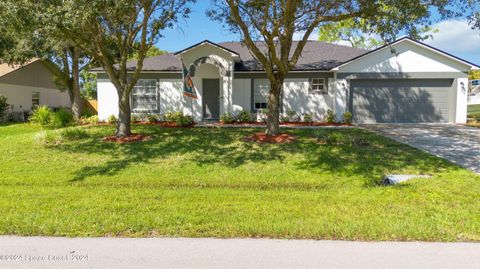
x,y
208,183
474,111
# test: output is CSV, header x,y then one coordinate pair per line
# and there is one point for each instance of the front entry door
x,y
211,99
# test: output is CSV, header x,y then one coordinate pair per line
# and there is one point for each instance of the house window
x,y
317,86
35,99
260,94
145,96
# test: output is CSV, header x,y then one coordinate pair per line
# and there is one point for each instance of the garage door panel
x,y
400,100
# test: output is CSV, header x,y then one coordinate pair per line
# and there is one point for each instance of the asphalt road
x,y
41,252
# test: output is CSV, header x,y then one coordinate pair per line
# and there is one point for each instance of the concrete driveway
x,y
458,144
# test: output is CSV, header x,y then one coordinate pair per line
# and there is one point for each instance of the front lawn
x,y
203,182
473,111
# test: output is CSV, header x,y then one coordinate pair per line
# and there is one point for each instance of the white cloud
x,y
457,37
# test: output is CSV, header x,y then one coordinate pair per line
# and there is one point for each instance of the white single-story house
x,y
404,81
30,85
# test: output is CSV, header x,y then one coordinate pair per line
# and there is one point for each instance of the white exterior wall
x,y
171,97
340,104
20,97
107,98
210,71
241,96
461,100
296,97
408,57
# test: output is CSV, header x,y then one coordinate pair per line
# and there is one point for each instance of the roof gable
x,y
425,54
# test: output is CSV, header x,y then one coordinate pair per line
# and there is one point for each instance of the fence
x,y
474,100
91,107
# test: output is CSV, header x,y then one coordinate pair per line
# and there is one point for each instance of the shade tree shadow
x,y
223,146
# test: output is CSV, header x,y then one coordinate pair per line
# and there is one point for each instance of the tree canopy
x,y
111,31
275,22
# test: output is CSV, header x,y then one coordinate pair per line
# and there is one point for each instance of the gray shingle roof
x,y
315,56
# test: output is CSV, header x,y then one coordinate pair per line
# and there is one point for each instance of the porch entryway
x,y
211,99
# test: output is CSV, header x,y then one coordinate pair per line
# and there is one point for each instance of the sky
x,y
453,36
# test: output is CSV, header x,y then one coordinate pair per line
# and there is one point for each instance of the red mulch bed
x,y
313,124
275,139
127,139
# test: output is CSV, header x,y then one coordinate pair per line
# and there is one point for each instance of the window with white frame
x,y
35,99
260,94
317,86
145,96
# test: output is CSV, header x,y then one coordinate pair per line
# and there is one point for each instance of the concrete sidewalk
x,y
41,252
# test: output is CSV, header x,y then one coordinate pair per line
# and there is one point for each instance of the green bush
x,y
227,118
330,116
73,133
347,117
89,120
151,118
57,137
112,119
179,119
308,117
134,118
292,116
244,116
173,116
184,121
93,119
49,138
3,108
41,115
61,118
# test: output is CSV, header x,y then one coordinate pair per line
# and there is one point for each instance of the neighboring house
x,y
30,85
474,96
405,81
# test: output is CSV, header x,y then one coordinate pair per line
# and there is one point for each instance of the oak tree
x,y
275,22
111,31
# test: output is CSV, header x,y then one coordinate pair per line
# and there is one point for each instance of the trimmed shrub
x,y
61,118
93,119
292,116
112,119
184,121
88,120
308,117
3,108
173,116
330,116
347,117
134,118
151,118
244,116
41,115
227,118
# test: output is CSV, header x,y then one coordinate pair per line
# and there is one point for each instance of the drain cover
x,y
395,179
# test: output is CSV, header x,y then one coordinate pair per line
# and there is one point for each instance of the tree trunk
x,y
124,115
77,102
273,117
